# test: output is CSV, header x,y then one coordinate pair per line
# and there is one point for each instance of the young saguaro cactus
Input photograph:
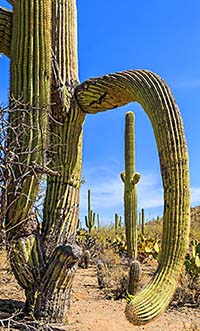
x,y
130,178
143,221
90,219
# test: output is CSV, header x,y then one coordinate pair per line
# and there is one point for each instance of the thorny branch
x,y
11,323
16,157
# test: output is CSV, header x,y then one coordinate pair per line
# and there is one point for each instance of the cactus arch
x,y
148,89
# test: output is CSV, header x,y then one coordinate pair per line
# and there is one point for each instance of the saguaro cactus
x,y
90,219
130,179
143,221
107,92
40,38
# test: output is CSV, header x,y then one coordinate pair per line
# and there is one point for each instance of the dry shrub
x,y
4,265
188,292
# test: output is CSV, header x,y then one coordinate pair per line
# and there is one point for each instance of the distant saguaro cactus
x,y
90,219
130,178
116,222
143,222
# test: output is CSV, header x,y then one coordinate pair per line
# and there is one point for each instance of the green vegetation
x,y
110,248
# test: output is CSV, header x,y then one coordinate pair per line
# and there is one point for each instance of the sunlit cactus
x,y
107,92
130,178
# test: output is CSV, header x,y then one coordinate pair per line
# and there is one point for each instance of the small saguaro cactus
x,y
130,178
120,221
90,219
134,277
143,221
98,222
86,258
116,222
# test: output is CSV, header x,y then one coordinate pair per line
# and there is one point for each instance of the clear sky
x,y
114,35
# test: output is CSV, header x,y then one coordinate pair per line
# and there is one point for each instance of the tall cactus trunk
x,y
130,179
44,261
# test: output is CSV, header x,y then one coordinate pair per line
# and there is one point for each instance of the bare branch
x,y
6,18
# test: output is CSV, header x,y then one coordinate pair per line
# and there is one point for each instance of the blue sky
x,y
117,35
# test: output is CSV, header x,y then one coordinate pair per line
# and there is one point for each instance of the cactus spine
x,y
90,219
130,179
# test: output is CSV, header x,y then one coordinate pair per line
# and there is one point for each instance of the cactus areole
x,y
48,106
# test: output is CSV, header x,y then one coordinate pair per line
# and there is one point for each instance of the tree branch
x,y
147,88
6,17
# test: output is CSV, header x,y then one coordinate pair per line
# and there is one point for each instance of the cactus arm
x,y
136,178
148,89
123,176
13,2
6,19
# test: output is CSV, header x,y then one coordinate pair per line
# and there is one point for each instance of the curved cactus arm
x,y
147,88
123,176
6,19
136,178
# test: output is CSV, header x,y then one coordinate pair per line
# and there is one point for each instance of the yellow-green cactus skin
x,y
148,89
47,111
130,179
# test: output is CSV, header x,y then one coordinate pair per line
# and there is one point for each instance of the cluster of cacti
x,y
130,179
40,38
90,218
